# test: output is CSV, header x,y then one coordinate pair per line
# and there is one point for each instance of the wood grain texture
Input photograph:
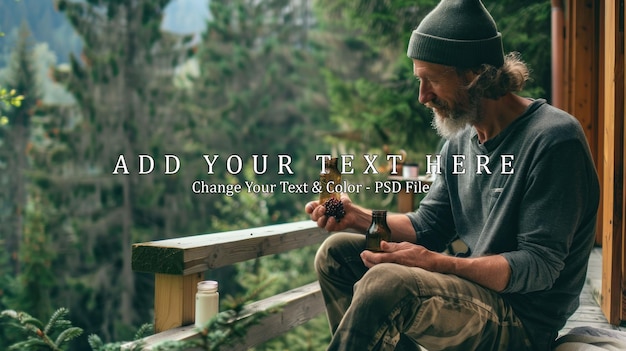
x,y
199,253
174,300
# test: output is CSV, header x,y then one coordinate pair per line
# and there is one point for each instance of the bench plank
x,y
298,307
199,253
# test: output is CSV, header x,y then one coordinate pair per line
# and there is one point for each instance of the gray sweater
x,y
537,208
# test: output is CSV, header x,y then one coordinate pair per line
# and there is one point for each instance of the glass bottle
x,y
377,231
207,302
331,174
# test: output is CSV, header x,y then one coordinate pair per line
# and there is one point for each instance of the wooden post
x,y
179,263
621,43
174,300
583,75
613,180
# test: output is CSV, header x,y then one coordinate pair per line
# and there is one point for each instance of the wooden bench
x,y
179,264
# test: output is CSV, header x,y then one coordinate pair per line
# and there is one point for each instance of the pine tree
x,y
123,86
260,90
14,137
525,27
37,252
373,94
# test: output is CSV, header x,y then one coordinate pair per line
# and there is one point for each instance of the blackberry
x,y
334,208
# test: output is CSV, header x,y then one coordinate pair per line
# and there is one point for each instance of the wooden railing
x,y
179,264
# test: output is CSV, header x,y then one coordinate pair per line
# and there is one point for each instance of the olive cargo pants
x,y
391,306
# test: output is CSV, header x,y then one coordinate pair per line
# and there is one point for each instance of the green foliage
x,y
22,79
287,270
244,211
382,23
22,233
54,335
37,253
14,140
525,27
8,99
260,85
312,336
122,83
373,95
96,343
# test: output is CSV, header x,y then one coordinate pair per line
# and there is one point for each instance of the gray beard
x,y
457,120
447,127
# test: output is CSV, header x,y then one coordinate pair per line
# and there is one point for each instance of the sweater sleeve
x,y
557,202
433,221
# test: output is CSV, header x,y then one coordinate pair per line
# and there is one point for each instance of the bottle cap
x,y
207,285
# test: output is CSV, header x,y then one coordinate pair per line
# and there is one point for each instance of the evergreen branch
x,y
95,342
145,330
38,336
67,335
28,345
23,319
30,322
58,315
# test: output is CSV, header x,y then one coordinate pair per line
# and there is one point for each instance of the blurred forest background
x,y
103,78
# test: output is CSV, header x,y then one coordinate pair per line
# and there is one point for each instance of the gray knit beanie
x,y
459,33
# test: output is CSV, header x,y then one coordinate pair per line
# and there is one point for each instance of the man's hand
x,y
404,253
317,212
492,272
359,218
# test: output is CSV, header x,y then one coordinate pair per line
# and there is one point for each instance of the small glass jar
x,y
207,302
378,231
329,179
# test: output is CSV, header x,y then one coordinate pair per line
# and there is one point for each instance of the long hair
x,y
493,82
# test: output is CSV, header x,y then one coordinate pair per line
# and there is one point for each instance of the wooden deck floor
x,y
589,313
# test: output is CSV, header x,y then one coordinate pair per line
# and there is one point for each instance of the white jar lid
x,y
207,285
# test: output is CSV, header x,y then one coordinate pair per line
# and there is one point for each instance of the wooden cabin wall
x,y
593,73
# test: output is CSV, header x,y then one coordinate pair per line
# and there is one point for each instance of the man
x,y
528,218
